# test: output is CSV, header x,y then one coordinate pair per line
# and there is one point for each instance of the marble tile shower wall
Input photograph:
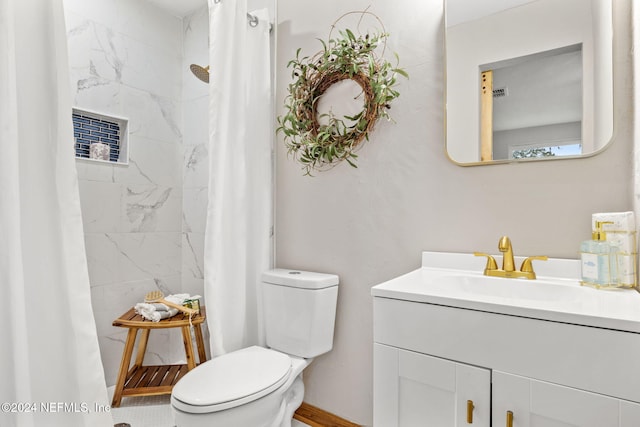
x,y
126,59
196,160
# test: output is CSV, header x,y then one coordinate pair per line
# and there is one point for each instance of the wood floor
x,y
316,417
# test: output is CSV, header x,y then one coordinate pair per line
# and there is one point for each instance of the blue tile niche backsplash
x,y
90,128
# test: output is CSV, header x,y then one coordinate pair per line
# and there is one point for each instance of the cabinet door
x,y
539,404
413,389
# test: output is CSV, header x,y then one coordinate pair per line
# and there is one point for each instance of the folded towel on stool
x,y
177,298
158,306
155,312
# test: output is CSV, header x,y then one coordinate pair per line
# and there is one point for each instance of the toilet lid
x,y
232,379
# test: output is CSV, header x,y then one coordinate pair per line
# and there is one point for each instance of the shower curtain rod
x,y
253,20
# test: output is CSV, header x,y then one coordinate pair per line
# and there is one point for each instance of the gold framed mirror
x,y
527,80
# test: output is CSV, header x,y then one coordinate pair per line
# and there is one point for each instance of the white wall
x,y
370,224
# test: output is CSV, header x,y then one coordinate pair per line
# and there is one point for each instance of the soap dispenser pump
x,y
599,259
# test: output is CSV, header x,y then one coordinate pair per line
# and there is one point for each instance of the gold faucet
x,y
508,264
504,245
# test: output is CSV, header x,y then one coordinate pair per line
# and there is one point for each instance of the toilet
x,y
262,386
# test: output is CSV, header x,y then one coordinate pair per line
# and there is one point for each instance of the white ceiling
x,y
179,8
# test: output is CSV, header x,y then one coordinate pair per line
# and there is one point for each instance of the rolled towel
x,y
166,314
150,311
158,306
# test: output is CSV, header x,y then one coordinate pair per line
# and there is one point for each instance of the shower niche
x,y
100,137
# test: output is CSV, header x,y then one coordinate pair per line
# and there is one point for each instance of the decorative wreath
x,y
319,146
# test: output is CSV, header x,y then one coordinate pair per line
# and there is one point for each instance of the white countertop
x,y
457,280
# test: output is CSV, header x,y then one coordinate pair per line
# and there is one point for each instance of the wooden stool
x,y
154,380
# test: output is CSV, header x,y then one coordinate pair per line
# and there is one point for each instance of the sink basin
x,y
514,289
456,280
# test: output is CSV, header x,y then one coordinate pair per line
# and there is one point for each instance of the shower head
x,y
200,72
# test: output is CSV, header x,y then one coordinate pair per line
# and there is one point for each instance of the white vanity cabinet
x,y
535,403
539,353
426,371
413,389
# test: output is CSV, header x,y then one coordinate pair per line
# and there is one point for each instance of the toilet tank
x,y
299,310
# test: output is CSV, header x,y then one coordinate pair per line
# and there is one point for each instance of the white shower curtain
x,y
239,219
50,367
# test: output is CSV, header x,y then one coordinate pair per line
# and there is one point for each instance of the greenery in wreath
x,y
318,146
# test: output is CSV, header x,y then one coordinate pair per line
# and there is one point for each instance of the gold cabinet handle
x,y
469,411
509,419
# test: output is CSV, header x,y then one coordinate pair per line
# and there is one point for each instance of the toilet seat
x,y
231,380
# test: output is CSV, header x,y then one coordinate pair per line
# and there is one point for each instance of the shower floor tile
x,y
145,411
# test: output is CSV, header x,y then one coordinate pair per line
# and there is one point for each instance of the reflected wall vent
x,y
500,92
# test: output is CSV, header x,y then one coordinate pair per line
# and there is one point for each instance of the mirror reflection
x,y
528,79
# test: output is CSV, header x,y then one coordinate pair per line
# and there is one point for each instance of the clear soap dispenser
x,y
599,259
